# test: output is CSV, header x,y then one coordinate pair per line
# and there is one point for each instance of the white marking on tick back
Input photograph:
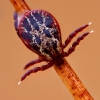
x,y
29,22
19,82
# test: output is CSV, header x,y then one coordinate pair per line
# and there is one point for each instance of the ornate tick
x,y
40,32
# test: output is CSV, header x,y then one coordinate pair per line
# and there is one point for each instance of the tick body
x,y
40,32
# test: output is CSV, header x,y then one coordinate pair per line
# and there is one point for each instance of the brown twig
x,y
20,5
66,73
72,82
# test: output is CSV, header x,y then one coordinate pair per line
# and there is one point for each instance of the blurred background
x,y
47,85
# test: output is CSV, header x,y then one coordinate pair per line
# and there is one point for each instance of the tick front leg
x,y
36,69
72,48
33,62
15,16
73,34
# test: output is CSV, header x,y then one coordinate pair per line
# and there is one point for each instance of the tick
x,y
40,32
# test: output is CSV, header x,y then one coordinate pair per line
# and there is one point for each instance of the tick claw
x,y
19,82
91,31
90,23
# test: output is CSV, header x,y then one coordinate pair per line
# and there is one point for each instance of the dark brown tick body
x,y
40,32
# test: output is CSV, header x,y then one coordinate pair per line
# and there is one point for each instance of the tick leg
x,y
36,69
33,62
15,16
73,34
72,48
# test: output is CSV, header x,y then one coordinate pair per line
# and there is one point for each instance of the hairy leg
x,y
72,48
36,69
38,60
73,34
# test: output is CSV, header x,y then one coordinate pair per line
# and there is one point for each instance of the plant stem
x,y
20,5
72,82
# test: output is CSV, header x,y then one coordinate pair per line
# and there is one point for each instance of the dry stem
x,y
72,82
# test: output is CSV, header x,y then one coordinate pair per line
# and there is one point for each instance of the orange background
x,y
47,85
